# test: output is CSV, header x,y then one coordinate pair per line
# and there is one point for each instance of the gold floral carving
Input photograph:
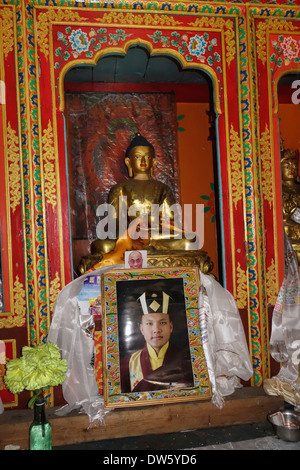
x,y
49,165
271,283
18,318
181,258
51,16
55,288
266,160
13,168
146,19
266,26
242,293
6,27
224,25
235,166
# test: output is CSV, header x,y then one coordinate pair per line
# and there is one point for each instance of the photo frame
x,y
135,259
183,374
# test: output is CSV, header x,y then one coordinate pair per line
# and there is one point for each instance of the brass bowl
x,y
286,424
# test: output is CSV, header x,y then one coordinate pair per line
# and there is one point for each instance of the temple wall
x,y
244,49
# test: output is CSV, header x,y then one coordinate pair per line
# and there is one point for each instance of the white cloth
x,y
222,333
224,344
285,335
70,330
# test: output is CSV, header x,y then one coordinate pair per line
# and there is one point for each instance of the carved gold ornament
x,y
18,316
55,288
6,28
266,160
242,291
13,158
271,279
49,164
235,166
146,19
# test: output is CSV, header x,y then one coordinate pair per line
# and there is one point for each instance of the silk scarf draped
x,y
222,333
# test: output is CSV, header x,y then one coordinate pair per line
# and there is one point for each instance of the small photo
x,y
136,259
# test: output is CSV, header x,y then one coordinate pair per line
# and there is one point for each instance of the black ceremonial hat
x,y
154,302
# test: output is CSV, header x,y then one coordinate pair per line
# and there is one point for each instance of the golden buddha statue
x,y
291,198
136,197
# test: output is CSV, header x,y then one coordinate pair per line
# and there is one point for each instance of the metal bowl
x,y
286,424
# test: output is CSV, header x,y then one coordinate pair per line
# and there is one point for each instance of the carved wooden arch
x,y
276,84
153,51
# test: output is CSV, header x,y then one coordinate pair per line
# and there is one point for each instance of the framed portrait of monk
x,y
152,344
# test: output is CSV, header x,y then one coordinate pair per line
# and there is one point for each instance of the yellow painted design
x,y
227,26
265,27
18,316
134,19
55,288
13,168
44,21
266,161
6,24
235,166
271,283
242,291
49,165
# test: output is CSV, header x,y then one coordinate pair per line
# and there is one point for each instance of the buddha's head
x,y
289,166
140,157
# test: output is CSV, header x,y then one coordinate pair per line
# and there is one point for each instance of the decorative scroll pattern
x,y
18,318
236,167
254,230
242,291
13,167
266,159
99,362
146,20
6,24
49,165
271,284
55,288
37,275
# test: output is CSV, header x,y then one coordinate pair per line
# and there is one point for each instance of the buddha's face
x,y
141,160
289,169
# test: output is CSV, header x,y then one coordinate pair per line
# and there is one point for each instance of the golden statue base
x,y
162,258
181,258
